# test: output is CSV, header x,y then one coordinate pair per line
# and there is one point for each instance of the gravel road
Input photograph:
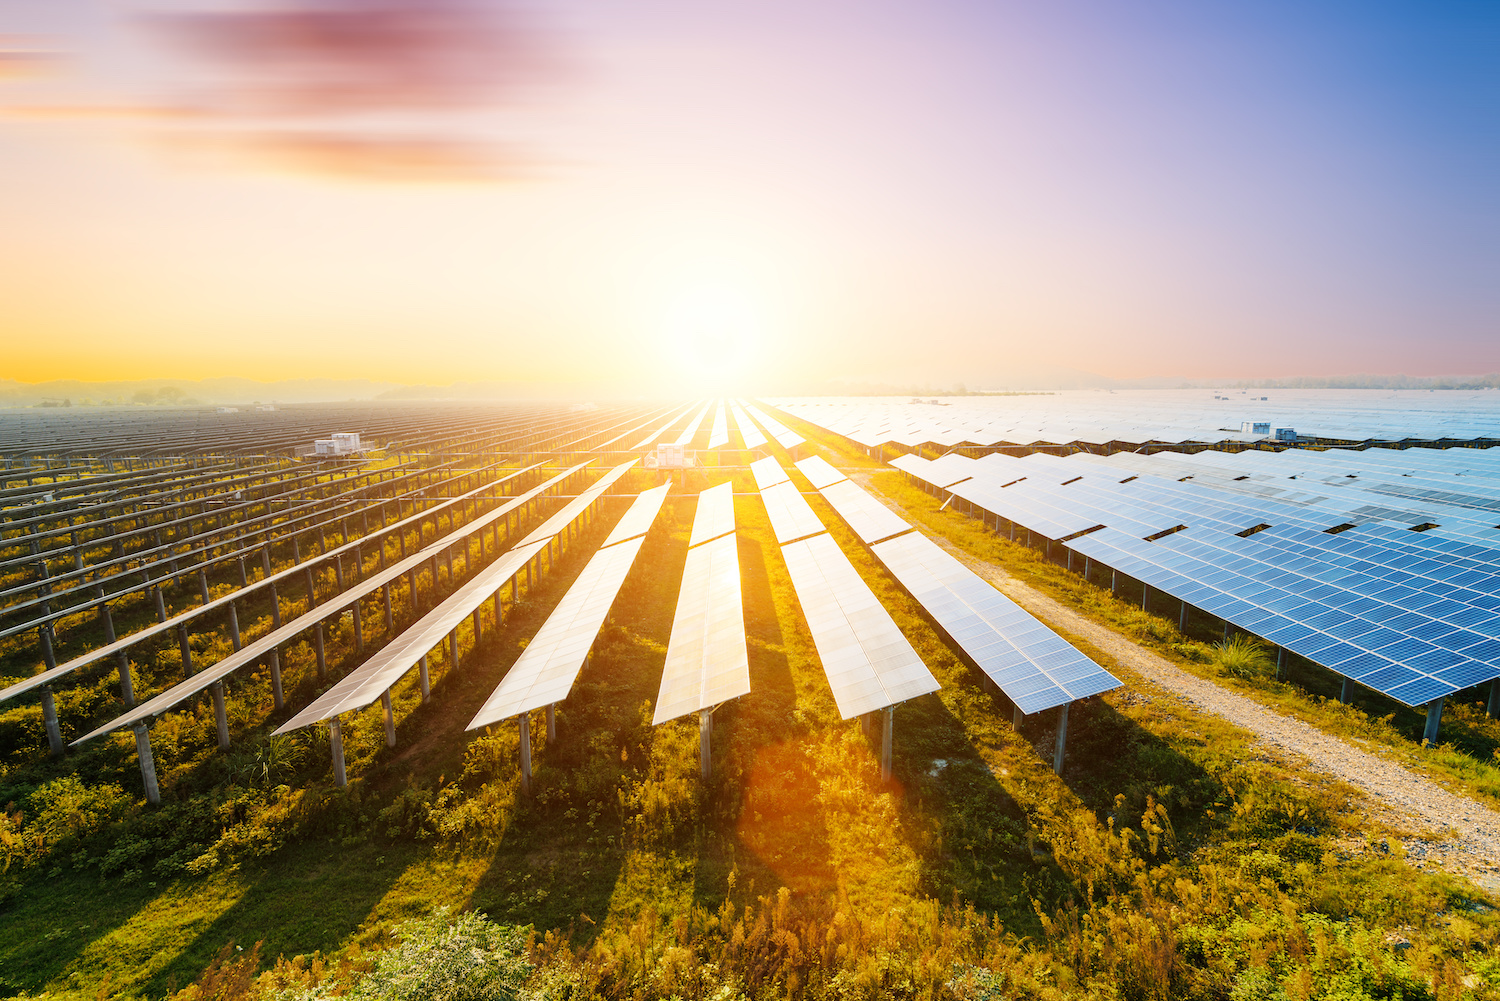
x,y
1454,833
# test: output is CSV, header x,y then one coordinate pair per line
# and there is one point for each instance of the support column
x,y
276,695
1280,662
1062,738
127,688
359,628
390,619
889,725
425,677
220,716
275,608
1434,717
187,651
1145,597
234,626
49,719
453,649
705,743
1346,691
148,764
336,747
161,605
1494,708
390,718
322,660
525,720
1015,719
551,722
478,630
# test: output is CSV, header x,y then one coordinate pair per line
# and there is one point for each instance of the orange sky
x,y
868,192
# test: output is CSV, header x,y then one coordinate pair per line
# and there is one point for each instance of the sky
x,y
747,195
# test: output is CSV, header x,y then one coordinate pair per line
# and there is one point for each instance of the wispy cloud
x,y
394,90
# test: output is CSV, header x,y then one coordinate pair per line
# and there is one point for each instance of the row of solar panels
x,y
730,415
1395,610
1150,416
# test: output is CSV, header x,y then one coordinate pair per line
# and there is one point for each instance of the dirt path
x,y
1456,833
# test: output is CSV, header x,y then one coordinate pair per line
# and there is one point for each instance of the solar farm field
x,y
707,698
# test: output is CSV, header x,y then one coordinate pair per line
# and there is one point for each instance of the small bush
x,y
1243,657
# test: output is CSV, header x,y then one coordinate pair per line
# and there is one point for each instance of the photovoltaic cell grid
x,y
768,472
715,514
1036,668
1367,604
870,519
707,659
785,436
256,649
869,663
1135,417
791,518
719,436
819,471
748,431
548,667
362,686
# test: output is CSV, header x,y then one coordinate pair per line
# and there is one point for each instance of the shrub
x,y
1243,657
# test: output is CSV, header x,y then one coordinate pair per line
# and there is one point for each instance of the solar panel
x,y
366,683
256,649
691,431
791,518
768,472
707,660
785,436
715,515
575,507
719,436
640,517
869,663
548,667
748,431
1036,668
870,519
819,471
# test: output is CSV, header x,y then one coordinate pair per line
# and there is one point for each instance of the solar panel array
x,y
252,653
708,662
1135,417
1299,556
548,667
785,436
748,431
1032,665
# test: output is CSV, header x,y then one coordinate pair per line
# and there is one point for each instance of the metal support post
x,y
1346,691
359,628
275,608
390,618
885,742
453,649
336,748
1145,597
478,632
1434,717
1016,718
311,588
1280,662
276,695
161,605
127,687
525,720
551,722
186,651
705,743
203,585
1494,708
234,626
425,677
1062,738
49,719
390,718
499,610
322,660
148,764
220,716
1114,582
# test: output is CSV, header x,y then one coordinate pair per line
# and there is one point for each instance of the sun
x,y
712,335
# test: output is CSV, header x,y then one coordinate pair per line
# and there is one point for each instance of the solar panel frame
x,y
715,514
708,660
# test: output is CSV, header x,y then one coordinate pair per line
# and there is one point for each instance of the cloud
x,y
338,57
388,90
20,58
